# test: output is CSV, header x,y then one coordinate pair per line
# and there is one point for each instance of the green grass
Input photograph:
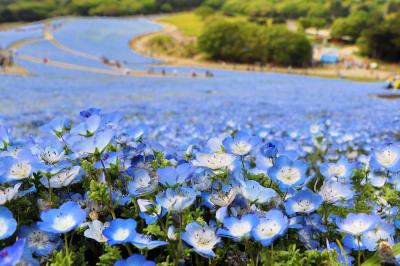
x,y
191,24
187,22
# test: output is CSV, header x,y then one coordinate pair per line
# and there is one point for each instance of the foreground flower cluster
x,y
88,191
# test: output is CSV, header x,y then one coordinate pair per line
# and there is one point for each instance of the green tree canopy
x,y
249,43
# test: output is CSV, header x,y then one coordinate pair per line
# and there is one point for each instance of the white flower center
x,y
387,157
50,156
143,181
289,175
222,198
204,238
337,170
303,205
217,160
38,238
240,229
267,229
63,222
121,234
20,170
357,227
241,147
3,227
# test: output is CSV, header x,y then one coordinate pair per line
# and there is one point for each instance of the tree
x,y
382,41
317,23
337,9
250,43
223,40
352,26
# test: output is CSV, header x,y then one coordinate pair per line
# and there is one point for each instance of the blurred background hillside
x,y
348,37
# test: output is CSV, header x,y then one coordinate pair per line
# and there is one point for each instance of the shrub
x,y
249,43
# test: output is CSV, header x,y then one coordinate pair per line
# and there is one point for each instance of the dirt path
x,y
48,36
139,45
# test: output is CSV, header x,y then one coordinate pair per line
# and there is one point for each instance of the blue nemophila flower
x,y
357,223
343,253
57,126
120,231
225,196
353,242
287,173
149,211
304,201
201,238
95,230
135,260
214,161
376,179
146,242
10,193
395,181
201,179
7,223
88,126
307,236
64,178
170,176
16,168
333,192
382,232
39,242
11,255
89,145
241,144
270,149
142,184
177,200
387,157
62,220
51,151
238,228
315,221
256,193
270,226
339,171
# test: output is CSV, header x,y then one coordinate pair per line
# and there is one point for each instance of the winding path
x,y
48,36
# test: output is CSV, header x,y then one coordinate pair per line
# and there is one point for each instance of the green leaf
x,y
111,254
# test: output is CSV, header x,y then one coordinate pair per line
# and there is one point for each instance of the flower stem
x,y
108,179
66,245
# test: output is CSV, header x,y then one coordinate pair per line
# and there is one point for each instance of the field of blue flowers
x,y
90,191
241,169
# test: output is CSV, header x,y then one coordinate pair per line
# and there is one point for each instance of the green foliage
x,y
247,42
59,258
155,230
294,257
110,255
160,161
312,22
166,44
352,26
29,10
204,12
98,191
382,41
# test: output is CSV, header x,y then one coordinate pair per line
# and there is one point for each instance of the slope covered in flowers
x,y
242,168
90,186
